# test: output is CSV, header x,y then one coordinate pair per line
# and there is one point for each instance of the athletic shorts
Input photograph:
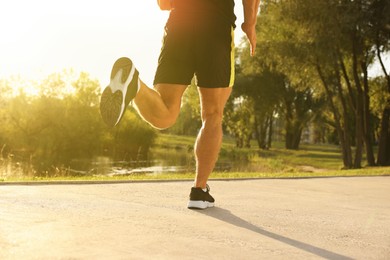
x,y
200,47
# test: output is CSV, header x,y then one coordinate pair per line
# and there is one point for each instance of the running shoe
x,y
123,87
200,199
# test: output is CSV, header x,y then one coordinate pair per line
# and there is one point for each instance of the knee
x,y
212,118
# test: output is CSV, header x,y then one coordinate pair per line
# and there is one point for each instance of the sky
x,y
41,37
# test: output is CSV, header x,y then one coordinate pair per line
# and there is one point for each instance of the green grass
x,y
309,161
377,171
175,141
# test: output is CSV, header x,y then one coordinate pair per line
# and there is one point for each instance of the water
x,y
165,161
107,167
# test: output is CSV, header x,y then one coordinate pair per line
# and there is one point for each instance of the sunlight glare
x,y
42,37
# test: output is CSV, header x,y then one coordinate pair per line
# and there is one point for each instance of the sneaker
x,y
200,199
123,87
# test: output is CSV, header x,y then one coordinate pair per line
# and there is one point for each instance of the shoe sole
x,y
118,94
199,204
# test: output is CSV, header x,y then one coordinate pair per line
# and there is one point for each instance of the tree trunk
x,y
257,133
297,137
351,96
384,136
293,136
270,129
346,128
359,108
289,123
340,133
367,129
384,139
263,133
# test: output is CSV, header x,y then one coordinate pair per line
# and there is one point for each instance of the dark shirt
x,y
222,10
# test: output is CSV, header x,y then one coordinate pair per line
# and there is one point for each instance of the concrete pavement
x,y
332,218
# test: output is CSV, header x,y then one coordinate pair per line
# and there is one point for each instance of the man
x,y
198,41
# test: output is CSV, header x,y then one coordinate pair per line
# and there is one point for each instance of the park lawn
x,y
309,161
373,171
319,156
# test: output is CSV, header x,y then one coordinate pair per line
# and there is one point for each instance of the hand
x,y
165,4
250,31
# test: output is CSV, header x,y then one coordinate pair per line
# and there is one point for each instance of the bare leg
x,y
159,106
209,140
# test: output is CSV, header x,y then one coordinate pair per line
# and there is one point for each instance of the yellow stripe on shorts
x,y
232,61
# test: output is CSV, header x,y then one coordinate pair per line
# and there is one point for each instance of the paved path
x,y
333,218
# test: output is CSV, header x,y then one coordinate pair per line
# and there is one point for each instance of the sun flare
x,y
42,37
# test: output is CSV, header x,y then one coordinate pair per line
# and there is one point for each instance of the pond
x,y
159,162
165,163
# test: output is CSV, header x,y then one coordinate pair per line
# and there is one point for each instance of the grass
x,y
309,161
377,171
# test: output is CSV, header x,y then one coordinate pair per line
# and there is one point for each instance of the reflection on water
x,y
164,161
105,166
108,167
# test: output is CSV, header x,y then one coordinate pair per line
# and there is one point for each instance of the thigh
x,y
213,100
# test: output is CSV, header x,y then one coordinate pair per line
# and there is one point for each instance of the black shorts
x,y
200,47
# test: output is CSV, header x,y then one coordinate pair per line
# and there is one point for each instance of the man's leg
x,y
209,140
160,106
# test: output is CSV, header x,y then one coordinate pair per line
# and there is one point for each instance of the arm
x,y
165,4
251,8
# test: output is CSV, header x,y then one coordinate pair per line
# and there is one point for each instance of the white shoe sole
x,y
198,204
117,95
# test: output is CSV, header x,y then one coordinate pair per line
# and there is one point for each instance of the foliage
x,y
189,120
131,139
325,48
239,120
61,123
379,95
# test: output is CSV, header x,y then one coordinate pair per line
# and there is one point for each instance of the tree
x,y
62,124
330,45
299,107
189,120
130,140
257,94
380,107
380,20
286,84
239,120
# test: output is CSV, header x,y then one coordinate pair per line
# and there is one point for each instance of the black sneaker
x,y
118,94
200,199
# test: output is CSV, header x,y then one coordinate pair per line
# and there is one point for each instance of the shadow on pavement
x,y
230,218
